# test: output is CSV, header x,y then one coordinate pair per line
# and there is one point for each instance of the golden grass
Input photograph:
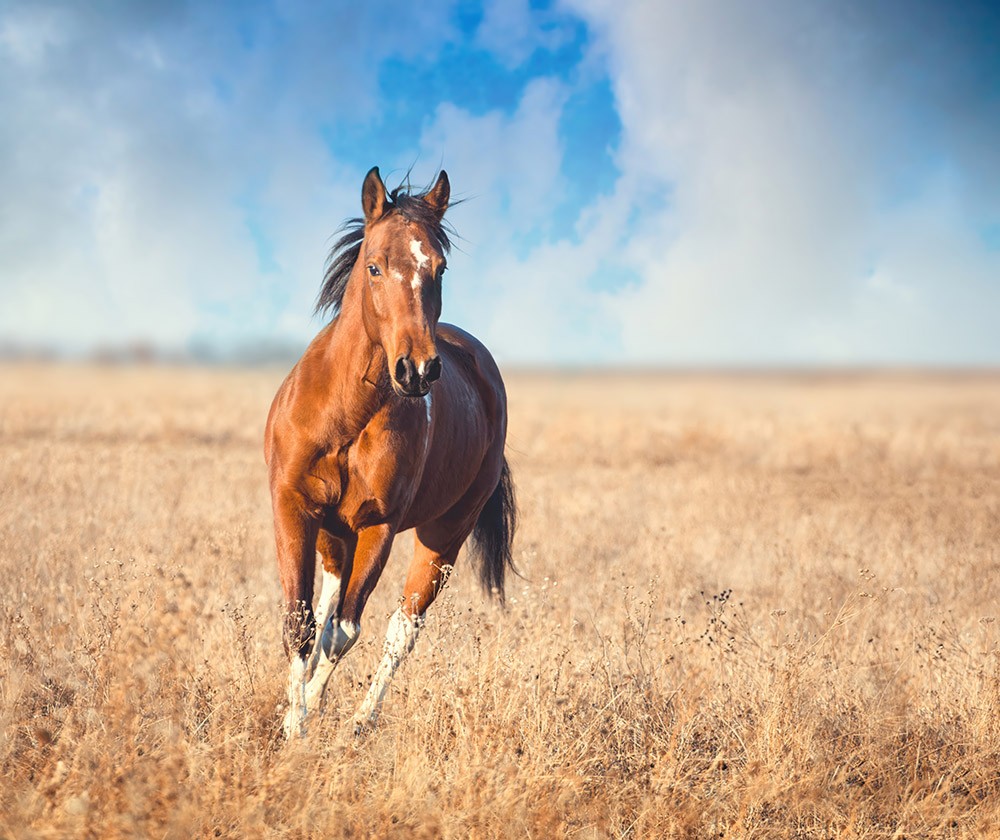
x,y
752,607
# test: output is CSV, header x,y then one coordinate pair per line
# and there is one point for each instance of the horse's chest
x,y
377,481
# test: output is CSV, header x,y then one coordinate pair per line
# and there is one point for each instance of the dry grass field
x,y
752,606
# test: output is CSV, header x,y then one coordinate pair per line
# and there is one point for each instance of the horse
x,y
390,421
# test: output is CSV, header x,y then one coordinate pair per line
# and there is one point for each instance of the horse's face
x,y
402,265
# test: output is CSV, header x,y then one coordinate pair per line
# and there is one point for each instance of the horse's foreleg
x,y
428,573
340,630
295,538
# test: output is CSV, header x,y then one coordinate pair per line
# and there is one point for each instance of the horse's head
x,y
402,259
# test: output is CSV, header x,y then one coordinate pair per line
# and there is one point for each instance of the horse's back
x,y
476,368
477,364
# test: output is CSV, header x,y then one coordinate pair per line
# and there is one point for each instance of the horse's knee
x,y
339,637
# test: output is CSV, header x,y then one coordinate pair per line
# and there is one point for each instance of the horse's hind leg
x,y
364,560
428,573
333,553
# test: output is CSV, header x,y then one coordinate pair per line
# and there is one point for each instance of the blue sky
x,y
645,183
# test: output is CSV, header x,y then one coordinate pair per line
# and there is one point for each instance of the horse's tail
x,y
493,535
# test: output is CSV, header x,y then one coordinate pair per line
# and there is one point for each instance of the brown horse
x,y
389,421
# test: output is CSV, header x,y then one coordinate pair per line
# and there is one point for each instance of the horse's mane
x,y
345,251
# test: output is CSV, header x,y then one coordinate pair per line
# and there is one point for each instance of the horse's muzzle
x,y
411,381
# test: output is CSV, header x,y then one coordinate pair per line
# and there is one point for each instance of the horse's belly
x,y
445,482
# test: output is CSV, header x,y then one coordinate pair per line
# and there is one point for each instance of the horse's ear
x,y
438,195
373,196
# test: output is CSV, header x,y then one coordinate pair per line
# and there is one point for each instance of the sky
x,y
643,183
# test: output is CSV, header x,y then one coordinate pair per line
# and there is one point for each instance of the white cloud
x,y
802,185
764,213
134,141
512,30
508,167
775,147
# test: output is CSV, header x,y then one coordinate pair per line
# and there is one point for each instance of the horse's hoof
x,y
363,726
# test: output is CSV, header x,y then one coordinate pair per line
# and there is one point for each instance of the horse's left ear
x,y
438,195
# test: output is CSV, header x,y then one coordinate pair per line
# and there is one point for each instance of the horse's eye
x,y
441,270
373,270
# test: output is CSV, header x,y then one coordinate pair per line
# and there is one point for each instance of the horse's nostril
x,y
403,369
432,371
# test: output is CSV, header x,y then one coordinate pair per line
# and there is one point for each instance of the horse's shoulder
x,y
294,427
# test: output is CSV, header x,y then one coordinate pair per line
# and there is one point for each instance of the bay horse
x,y
389,421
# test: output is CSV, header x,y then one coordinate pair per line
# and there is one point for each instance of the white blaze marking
x,y
417,250
396,275
427,405
399,639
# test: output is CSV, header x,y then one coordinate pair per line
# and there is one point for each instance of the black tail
x,y
494,533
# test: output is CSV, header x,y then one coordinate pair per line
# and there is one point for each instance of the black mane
x,y
345,251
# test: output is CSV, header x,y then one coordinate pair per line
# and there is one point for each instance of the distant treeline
x,y
197,352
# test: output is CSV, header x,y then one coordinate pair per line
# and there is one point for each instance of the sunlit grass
x,y
751,607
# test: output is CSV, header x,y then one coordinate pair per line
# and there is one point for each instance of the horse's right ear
x,y
373,196
438,195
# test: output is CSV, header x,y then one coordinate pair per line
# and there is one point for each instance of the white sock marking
x,y
400,637
295,717
337,638
349,630
329,595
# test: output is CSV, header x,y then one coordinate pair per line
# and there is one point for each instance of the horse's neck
x,y
356,368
